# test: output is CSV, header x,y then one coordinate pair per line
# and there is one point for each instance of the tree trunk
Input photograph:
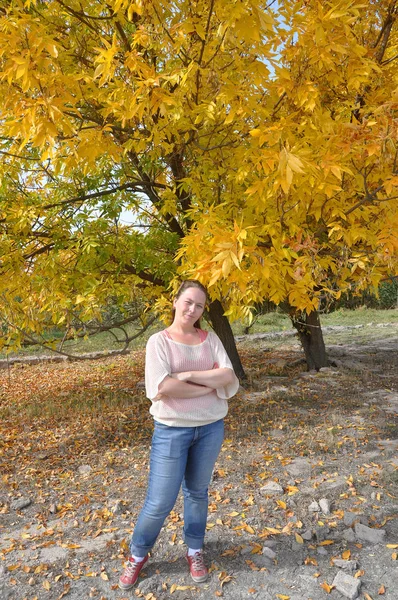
x,y
223,329
310,333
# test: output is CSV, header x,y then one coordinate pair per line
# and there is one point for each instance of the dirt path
x,y
303,505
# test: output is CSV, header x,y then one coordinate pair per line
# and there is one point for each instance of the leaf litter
x,y
74,442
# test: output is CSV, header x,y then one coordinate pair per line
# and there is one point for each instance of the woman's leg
x,y
169,452
202,456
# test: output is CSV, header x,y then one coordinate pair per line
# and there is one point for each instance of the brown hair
x,y
185,285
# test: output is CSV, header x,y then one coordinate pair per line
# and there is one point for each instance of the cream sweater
x,y
165,356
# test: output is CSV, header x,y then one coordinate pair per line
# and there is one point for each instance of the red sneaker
x,y
197,567
130,573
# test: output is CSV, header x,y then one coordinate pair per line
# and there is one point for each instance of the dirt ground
x,y
303,503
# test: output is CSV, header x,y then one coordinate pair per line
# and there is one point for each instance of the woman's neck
x,y
181,330
184,335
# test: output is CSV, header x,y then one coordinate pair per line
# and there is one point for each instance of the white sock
x,y
137,558
192,551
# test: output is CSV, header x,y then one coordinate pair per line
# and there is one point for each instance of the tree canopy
x,y
252,143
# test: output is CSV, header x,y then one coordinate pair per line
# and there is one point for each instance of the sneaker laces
x,y
131,567
198,562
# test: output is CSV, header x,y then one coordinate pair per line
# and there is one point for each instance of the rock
x,y
299,466
348,535
270,543
307,535
85,470
350,518
322,551
328,371
314,507
321,533
53,508
296,547
269,553
117,507
346,565
375,536
333,487
325,506
271,488
347,585
262,561
20,503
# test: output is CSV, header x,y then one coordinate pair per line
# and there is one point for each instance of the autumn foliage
x,y
253,145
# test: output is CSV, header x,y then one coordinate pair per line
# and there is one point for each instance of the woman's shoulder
x,y
156,338
212,337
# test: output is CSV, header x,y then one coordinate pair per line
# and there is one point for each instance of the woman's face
x,y
189,306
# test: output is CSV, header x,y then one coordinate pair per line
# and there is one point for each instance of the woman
x,y
188,378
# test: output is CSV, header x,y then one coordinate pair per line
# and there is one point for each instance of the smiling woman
x,y
188,378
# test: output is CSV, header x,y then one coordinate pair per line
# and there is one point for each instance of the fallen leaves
x,y
181,588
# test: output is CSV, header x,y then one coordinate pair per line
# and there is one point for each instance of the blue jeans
x,y
179,455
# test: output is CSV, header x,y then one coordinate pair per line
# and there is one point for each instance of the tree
x,y
254,143
108,107
319,214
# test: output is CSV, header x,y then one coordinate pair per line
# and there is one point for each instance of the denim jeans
x,y
179,455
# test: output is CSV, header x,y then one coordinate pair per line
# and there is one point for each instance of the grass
x,y
104,341
267,323
278,321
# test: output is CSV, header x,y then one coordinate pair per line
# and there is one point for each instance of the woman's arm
x,y
213,378
176,388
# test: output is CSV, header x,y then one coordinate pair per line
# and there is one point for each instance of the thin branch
x,y
126,186
17,156
389,60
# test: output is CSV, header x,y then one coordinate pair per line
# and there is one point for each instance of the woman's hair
x,y
185,285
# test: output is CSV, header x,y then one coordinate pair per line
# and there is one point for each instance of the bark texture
x,y
311,337
222,327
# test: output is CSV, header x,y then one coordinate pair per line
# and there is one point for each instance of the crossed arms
x,y
192,384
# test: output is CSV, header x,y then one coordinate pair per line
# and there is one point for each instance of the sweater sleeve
x,y
223,362
157,365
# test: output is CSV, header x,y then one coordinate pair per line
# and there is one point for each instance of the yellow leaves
x,y
298,538
328,588
105,61
181,588
288,164
346,554
224,578
326,542
135,7
282,597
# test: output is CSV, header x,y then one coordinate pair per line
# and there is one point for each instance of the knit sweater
x,y
165,356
